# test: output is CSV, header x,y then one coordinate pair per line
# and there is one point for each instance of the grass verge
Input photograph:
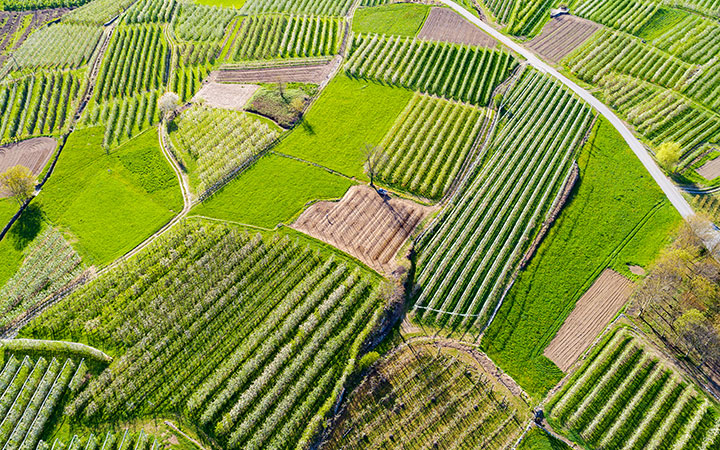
x,y
400,19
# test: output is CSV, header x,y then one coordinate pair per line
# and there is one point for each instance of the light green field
x,y
402,19
348,115
108,204
617,215
237,4
274,190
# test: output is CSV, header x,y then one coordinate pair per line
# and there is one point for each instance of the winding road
x,y
669,189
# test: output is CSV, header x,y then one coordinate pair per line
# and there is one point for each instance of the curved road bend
x,y
669,189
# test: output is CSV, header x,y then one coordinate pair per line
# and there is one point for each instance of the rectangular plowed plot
x,y
710,170
226,96
446,25
561,36
429,143
32,153
364,225
591,314
316,74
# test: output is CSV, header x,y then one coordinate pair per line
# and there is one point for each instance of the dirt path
x,y
177,430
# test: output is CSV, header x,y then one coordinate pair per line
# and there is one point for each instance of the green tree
x,y
19,182
668,154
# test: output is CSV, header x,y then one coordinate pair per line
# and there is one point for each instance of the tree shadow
x,y
27,227
307,126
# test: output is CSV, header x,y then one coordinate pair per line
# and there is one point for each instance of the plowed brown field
x,y
32,153
591,315
226,96
561,36
364,225
314,73
710,170
446,25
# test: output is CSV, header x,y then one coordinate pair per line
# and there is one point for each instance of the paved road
x,y
671,191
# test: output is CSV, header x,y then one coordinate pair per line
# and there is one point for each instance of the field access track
x,y
592,313
445,25
364,225
561,36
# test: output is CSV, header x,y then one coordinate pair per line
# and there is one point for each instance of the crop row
x,y
97,12
30,393
21,5
463,73
428,145
466,259
202,22
707,7
623,397
41,104
662,115
624,15
50,264
521,17
197,53
220,141
314,7
186,81
421,397
145,11
705,87
134,62
124,117
610,51
124,441
694,40
272,36
265,384
58,46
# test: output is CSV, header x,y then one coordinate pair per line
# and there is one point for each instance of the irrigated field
x,y
590,316
422,397
365,225
467,257
626,397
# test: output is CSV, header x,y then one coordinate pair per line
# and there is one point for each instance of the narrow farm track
x,y
669,189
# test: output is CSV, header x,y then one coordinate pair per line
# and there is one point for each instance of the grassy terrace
x,y
617,215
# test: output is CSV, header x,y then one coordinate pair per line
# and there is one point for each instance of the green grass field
x,y
662,20
348,115
8,208
108,204
616,216
537,439
402,19
274,190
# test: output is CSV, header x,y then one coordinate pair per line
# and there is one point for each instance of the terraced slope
x,y
465,260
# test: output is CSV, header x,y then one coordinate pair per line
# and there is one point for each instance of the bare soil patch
x,y
364,225
592,313
301,73
226,96
446,25
710,170
637,270
561,36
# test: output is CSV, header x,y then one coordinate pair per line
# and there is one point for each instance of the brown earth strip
x,y
32,153
364,225
315,73
446,25
592,313
710,170
561,36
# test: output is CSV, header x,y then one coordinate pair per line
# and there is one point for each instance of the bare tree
x,y
19,182
374,158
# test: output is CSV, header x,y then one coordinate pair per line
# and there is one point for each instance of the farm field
x,y
626,396
273,190
462,267
371,224
596,230
364,225
419,394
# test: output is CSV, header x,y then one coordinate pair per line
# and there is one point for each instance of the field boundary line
x,y
234,222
